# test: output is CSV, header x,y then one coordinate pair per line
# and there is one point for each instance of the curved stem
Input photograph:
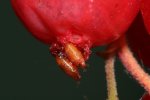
x,y
133,67
110,77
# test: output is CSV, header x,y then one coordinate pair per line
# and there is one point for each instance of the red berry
x,y
94,22
146,96
145,9
81,24
139,40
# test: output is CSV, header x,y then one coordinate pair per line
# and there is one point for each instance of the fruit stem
x,y
110,77
132,66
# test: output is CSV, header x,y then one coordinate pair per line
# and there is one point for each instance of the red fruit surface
x,y
139,40
92,22
145,9
146,96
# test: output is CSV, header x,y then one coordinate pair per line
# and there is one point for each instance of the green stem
x,y
110,77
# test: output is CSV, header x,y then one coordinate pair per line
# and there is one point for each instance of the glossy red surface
x,y
91,22
145,9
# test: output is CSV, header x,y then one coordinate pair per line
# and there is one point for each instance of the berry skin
x,y
93,22
81,24
145,9
72,27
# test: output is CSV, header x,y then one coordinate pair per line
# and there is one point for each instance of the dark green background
x,y
29,72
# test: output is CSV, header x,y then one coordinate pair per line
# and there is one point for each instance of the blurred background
x,y
29,72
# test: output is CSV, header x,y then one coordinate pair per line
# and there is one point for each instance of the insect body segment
x,y
69,58
68,67
74,55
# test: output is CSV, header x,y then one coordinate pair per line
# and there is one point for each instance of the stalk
x,y
110,77
132,66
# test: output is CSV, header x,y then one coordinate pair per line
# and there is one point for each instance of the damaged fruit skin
x,y
81,23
